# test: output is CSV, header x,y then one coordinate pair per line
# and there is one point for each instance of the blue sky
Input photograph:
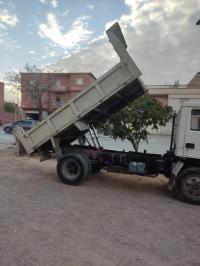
x,y
28,40
68,36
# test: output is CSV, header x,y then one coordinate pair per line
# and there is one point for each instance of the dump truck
x,y
65,132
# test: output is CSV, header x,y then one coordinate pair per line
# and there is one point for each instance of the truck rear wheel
x,y
72,168
188,185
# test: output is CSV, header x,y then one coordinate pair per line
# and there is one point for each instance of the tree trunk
x,y
40,111
135,145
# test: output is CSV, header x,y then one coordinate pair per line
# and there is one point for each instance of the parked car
x,y
25,124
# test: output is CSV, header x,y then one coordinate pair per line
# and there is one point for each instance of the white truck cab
x,y
185,170
187,132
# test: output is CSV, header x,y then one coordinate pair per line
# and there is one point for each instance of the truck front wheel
x,y
72,168
188,185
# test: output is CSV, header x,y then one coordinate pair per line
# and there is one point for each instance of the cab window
x,y
195,120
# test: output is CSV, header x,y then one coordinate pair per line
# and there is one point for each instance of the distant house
x,y
176,95
61,88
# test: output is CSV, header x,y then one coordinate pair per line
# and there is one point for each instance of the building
x,y
63,86
58,89
176,95
6,117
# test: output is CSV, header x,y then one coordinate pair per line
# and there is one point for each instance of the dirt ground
x,y
111,219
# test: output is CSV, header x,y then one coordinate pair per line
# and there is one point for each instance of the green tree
x,y
9,107
135,120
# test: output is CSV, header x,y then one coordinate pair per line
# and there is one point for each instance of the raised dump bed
x,y
112,91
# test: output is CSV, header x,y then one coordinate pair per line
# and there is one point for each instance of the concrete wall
x,y
9,117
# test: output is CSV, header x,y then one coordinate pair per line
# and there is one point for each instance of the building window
x,y
59,86
79,81
195,120
58,100
58,83
32,82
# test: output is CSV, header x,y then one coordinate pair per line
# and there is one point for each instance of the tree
x,y
36,87
176,83
9,107
135,120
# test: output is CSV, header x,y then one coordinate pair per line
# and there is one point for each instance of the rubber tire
x,y
82,165
180,178
7,130
89,164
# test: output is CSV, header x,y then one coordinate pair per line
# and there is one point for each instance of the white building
x,y
175,96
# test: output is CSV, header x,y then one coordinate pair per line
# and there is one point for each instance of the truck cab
x,y
185,173
187,132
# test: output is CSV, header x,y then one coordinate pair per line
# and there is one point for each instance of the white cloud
x,y
90,6
52,53
53,3
65,13
32,52
2,26
51,30
11,93
6,43
98,58
162,38
8,19
70,39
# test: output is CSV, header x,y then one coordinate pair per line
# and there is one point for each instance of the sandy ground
x,y
111,219
6,140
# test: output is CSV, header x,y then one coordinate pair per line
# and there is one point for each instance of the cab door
x,y
192,134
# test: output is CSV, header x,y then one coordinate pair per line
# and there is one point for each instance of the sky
x,y
69,36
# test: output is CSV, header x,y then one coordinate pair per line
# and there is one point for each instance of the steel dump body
x,y
112,91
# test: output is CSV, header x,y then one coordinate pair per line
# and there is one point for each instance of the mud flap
x,y
20,148
175,170
171,183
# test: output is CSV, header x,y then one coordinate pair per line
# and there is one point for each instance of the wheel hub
x,y
70,169
191,188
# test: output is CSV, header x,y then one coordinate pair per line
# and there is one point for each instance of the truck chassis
x,y
76,162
